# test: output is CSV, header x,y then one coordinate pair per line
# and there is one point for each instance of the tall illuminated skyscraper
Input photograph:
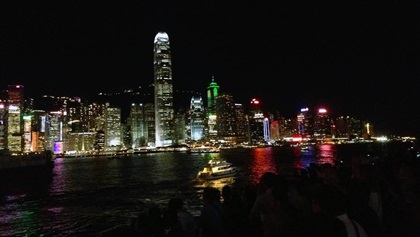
x,y
14,123
212,94
164,108
197,118
256,123
112,126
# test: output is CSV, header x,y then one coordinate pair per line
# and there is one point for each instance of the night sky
x,y
358,58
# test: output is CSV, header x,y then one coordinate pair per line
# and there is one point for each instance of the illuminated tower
x,y
164,109
112,127
305,123
54,137
257,130
212,94
15,118
322,124
197,118
137,123
227,128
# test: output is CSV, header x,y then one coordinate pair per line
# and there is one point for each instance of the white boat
x,y
216,169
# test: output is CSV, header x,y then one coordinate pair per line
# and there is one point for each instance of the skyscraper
x,y
112,127
197,118
212,94
256,122
164,109
226,117
14,117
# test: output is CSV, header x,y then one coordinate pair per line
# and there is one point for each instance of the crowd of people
x,y
364,199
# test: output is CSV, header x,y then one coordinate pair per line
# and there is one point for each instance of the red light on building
x,y
254,101
297,138
322,111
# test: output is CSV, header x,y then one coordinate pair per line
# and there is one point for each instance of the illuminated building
x,y
54,130
266,129
347,126
74,117
212,94
27,133
80,142
278,127
3,125
197,118
164,111
141,122
92,117
138,127
180,133
241,123
322,124
112,127
256,123
305,123
226,122
149,111
39,123
15,102
275,130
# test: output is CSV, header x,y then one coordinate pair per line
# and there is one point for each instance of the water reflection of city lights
x,y
325,154
262,162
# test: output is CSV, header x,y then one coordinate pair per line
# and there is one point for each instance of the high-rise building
x,y
256,123
113,131
39,130
197,116
305,123
227,128
180,135
164,107
149,112
347,126
322,124
15,100
241,123
212,94
54,129
138,127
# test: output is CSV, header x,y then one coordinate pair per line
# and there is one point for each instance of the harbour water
x,y
88,195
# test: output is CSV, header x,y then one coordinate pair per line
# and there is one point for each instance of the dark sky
x,y
358,58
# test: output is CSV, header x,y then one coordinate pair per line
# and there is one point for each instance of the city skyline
x,y
353,59
124,104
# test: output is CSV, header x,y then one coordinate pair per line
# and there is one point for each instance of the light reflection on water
x,y
263,161
326,154
89,195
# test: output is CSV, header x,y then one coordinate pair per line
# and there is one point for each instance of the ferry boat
x,y
216,169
